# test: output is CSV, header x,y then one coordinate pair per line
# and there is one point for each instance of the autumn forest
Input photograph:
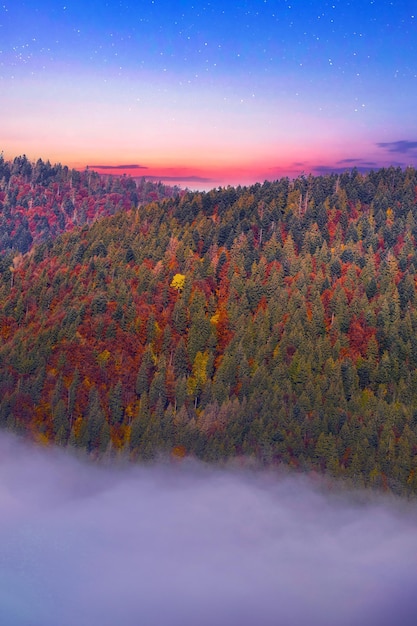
x,y
276,322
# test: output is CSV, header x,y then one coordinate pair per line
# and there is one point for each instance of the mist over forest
x,y
182,543
271,326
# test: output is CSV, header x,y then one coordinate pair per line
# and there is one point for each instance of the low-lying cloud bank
x,y
182,545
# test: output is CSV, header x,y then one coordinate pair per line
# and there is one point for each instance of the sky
x,y
206,94
181,545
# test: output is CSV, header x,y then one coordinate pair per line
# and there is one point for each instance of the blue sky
x,y
213,92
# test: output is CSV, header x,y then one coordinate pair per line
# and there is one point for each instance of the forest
x,y
38,201
274,323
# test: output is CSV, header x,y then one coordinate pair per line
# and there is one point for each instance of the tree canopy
x,y
276,321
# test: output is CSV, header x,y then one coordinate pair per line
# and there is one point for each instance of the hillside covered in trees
x,y
277,321
38,201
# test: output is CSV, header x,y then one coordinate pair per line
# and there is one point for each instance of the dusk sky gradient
x,y
210,93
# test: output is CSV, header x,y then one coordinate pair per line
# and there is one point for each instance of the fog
x,y
181,544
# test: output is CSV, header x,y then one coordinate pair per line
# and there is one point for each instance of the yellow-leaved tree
x,y
178,282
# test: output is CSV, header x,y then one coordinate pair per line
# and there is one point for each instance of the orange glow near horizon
x,y
195,138
199,170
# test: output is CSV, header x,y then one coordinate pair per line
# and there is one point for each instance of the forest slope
x,y
39,201
276,321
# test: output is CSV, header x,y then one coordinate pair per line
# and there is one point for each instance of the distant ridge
x,y
38,201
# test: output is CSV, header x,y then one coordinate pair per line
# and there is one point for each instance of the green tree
x,y
95,420
116,412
